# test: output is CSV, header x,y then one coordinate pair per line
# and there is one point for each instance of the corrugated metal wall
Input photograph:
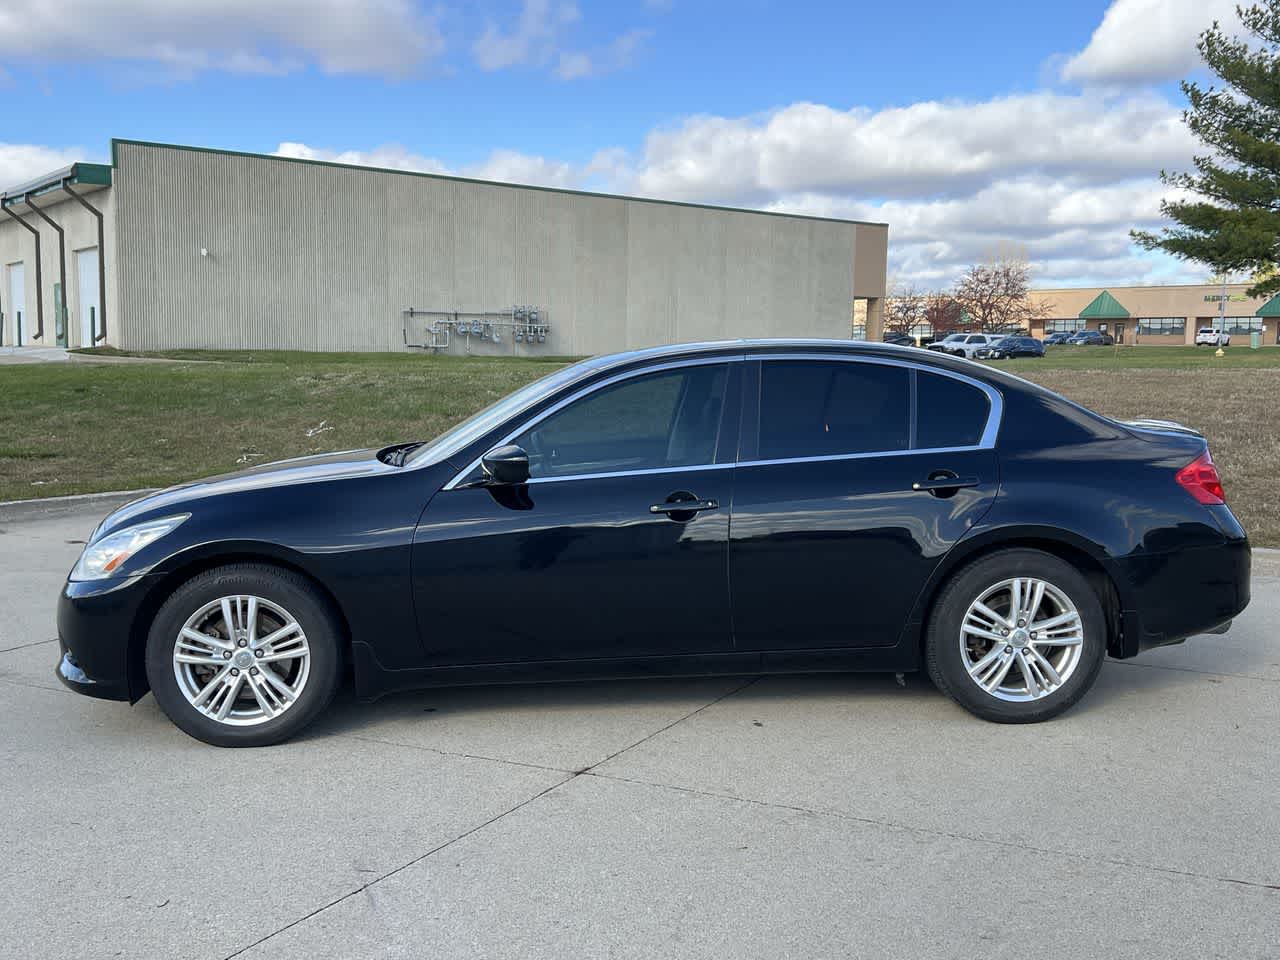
x,y
315,257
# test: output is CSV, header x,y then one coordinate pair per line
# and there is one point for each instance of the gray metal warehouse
x,y
173,247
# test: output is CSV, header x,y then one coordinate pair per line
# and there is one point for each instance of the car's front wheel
x,y
244,655
1016,636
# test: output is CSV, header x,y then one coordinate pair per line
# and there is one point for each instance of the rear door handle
x,y
945,483
685,506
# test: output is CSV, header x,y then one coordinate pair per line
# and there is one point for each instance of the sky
x,y
968,128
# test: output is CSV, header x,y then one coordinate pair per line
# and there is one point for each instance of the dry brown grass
x,y
1231,407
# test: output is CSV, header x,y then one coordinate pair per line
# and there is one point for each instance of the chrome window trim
x,y
986,442
587,391
989,432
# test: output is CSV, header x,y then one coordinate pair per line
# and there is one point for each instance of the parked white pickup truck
x,y
965,344
1210,337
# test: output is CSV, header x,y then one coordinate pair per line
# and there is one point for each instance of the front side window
x,y
666,419
811,408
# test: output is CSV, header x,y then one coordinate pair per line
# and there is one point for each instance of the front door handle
x,y
684,506
951,482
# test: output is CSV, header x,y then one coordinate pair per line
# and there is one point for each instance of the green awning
x,y
1271,308
1104,307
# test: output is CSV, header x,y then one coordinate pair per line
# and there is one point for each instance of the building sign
x,y
1218,297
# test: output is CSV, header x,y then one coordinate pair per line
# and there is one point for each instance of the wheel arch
x,y
178,570
1086,557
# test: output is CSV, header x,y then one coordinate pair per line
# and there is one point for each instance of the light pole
x,y
1222,316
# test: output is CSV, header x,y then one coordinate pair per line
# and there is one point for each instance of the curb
x,y
77,497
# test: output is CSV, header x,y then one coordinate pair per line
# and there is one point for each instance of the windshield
x,y
477,425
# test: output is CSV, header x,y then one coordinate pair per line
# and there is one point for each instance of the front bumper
x,y
95,631
1183,593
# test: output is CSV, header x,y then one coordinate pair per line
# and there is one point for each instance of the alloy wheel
x,y
241,660
1021,639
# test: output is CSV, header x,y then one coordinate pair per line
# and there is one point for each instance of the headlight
x,y
105,557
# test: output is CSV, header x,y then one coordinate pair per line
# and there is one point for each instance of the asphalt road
x,y
805,817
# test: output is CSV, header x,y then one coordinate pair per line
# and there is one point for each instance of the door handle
x,y
945,483
684,506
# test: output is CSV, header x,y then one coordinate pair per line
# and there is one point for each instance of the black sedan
x,y
1012,347
1054,339
743,507
900,339
1090,338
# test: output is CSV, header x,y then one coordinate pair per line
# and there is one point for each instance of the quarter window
x,y
667,419
814,408
951,413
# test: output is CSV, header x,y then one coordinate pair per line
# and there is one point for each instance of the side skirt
x,y
373,680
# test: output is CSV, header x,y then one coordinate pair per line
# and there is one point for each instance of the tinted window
x,y
669,419
951,413
812,408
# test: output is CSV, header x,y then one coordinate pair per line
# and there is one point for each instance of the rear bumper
x,y
95,622
1183,593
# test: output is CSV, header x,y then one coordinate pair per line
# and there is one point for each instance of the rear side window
x,y
951,413
813,408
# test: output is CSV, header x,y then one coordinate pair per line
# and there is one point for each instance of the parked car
x,y
1054,339
1210,337
900,339
964,344
730,508
1012,347
1091,338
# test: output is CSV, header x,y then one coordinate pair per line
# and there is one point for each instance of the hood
x,y
340,465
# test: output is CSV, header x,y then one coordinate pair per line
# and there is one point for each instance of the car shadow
x,y
1118,683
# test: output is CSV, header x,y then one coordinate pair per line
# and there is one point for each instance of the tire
x,y
305,660
951,654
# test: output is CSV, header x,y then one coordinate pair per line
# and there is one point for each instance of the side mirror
x,y
507,465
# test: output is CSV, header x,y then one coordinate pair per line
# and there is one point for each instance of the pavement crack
x,y
1203,673
404,866
455,754
692,713
33,643
927,831
568,778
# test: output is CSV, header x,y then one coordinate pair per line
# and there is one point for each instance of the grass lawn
x,y
83,427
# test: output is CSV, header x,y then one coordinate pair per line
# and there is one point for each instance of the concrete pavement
x,y
823,816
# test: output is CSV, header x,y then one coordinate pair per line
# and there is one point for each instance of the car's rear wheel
x,y
1016,636
244,655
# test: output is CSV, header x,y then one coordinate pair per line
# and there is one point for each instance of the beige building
x,y
1158,315
176,247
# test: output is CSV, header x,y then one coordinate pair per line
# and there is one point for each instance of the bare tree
x,y
995,295
903,310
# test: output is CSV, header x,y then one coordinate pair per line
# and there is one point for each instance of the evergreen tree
x,y
1233,222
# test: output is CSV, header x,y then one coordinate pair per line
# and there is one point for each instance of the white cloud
x,y
20,162
618,55
238,36
925,148
1147,41
507,166
533,39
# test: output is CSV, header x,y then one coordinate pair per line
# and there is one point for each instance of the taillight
x,y
1200,479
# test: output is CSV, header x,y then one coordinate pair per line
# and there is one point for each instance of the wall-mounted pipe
x,y
39,334
102,264
62,271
